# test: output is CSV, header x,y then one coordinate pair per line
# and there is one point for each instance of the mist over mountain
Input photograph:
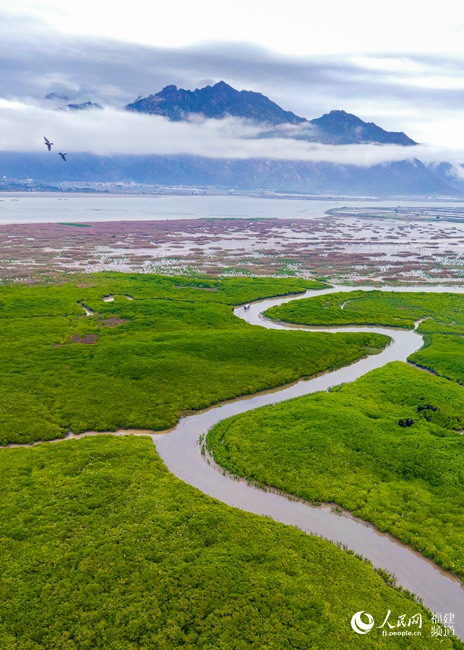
x,y
339,127
451,174
221,100
256,172
82,106
408,177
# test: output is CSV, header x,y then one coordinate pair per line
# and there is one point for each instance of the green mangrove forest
x,y
162,347
388,447
440,317
102,548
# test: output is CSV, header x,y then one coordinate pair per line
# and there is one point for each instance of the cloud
x,y
419,94
113,131
35,60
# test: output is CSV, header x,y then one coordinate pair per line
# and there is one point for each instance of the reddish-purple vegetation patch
x,y
112,322
87,339
348,249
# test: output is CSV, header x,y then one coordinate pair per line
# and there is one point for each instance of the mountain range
x,y
403,178
217,102
406,177
221,100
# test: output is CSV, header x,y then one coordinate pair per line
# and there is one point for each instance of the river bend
x,y
180,450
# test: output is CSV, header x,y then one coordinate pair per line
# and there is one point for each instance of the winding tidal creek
x,y
181,451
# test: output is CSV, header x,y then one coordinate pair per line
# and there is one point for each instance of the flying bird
x,y
63,155
48,144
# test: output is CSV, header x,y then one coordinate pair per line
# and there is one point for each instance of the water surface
x,y
29,207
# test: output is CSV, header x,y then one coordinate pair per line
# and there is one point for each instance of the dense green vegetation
x,y
101,548
47,299
383,447
389,308
443,355
443,327
162,347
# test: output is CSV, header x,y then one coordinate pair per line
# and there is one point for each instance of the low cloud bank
x,y
420,94
112,131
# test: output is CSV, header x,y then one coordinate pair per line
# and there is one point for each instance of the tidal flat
x,y
350,250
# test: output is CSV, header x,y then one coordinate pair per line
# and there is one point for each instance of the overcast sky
x,y
398,64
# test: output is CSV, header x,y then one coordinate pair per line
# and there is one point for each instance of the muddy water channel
x,y
181,450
